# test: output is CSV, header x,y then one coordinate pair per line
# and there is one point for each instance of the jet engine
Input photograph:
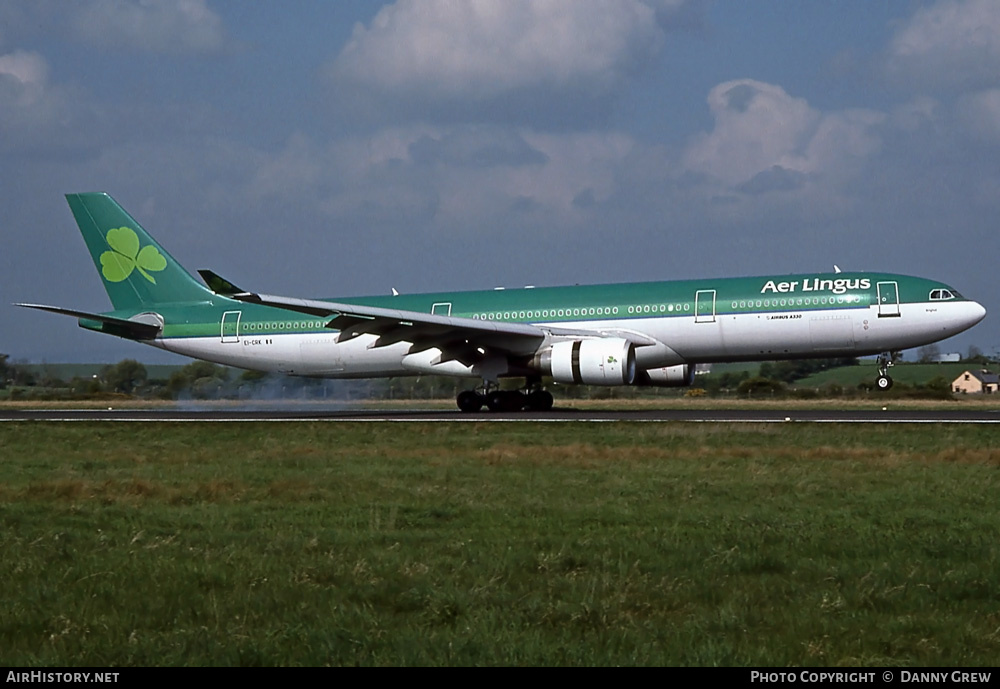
x,y
680,376
600,361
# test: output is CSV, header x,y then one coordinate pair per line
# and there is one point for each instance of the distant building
x,y
976,381
949,358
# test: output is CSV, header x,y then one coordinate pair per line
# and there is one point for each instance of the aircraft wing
x,y
463,339
458,338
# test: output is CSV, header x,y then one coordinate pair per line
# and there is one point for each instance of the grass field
x,y
497,544
909,373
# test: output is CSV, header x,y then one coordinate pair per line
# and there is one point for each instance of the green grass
x,y
909,373
498,544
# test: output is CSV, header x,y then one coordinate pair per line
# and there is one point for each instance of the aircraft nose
x,y
977,312
962,315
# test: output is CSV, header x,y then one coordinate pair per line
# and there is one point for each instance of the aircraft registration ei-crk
x,y
651,333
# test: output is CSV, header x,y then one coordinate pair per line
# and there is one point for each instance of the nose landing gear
x,y
884,382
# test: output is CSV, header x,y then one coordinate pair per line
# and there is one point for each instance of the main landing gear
x,y
529,398
884,382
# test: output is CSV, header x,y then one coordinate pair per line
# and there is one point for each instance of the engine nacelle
x,y
680,376
601,361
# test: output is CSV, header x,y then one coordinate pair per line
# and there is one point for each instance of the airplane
x,y
650,333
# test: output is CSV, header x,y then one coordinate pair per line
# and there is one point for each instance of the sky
x,y
331,149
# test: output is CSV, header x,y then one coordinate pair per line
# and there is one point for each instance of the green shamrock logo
x,y
611,359
118,264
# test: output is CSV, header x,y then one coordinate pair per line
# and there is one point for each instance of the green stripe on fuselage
x,y
684,293
674,299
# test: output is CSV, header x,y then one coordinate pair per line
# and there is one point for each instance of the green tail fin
x,y
136,271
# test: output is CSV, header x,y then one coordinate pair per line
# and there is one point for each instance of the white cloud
x,y
757,126
562,169
950,44
480,49
468,178
24,76
842,139
159,26
34,112
765,139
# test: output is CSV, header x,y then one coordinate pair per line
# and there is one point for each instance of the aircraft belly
x,y
320,355
360,361
241,353
303,355
917,324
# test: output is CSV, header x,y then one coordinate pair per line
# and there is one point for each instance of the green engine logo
x,y
118,264
612,360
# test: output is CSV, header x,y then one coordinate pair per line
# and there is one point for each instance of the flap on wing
x,y
122,327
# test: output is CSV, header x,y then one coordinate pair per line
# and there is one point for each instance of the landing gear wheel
x,y
539,400
494,400
470,401
884,361
505,401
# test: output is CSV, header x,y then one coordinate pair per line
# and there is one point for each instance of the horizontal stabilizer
x,y
122,327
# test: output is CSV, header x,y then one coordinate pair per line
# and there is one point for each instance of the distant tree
x,y
90,385
834,389
796,369
4,368
19,374
50,380
976,355
126,376
928,353
200,378
253,376
761,387
937,388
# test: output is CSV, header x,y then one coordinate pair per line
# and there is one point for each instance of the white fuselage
x,y
726,337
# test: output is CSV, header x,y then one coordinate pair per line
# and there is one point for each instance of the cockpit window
x,y
941,294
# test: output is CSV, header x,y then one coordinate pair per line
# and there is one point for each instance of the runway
x,y
225,415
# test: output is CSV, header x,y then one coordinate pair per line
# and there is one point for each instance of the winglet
x,y
219,284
